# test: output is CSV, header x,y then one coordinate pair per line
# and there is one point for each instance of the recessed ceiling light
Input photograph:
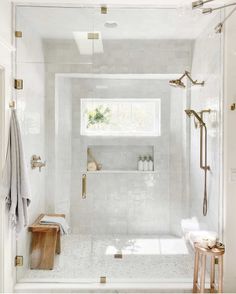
x,y
111,24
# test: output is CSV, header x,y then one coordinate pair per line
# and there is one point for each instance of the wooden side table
x,y
45,242
201,253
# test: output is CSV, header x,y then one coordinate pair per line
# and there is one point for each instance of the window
x,y
120,117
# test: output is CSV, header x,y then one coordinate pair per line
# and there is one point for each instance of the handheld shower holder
x,y
199,122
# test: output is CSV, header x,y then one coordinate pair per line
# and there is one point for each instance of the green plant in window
x,y
99,115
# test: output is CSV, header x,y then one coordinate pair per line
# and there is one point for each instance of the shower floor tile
x,y
144,258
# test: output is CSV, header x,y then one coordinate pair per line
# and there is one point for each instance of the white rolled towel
x,y
189,224
59,220
192,232
199,236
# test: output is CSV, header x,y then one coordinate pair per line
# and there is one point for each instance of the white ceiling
x,y
146,3
133,23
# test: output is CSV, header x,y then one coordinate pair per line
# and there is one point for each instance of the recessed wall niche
x,y
118,158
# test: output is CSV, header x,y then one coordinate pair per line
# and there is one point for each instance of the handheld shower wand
x,y
204,166
200,3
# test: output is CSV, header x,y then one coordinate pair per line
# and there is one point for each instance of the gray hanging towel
x,y
15,184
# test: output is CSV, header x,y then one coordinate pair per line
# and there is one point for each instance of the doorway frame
x,y
2,148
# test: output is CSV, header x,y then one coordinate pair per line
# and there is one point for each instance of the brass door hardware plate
x,y
103,280
18,34
18,84
118,255
84,186
103,9
36,162
233,106
19,260
93,36
216,261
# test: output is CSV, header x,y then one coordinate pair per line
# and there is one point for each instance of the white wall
x,y
63,139
7,243
62,56
229,154
179,159
121,203
206,66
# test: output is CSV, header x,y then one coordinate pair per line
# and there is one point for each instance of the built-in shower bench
x,y
45,242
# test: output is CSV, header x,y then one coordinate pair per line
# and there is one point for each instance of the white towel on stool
x,y
59,220
190,224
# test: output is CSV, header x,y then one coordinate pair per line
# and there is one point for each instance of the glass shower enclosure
x,y
96,98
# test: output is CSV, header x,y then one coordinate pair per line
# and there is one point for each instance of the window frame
x,y
156,122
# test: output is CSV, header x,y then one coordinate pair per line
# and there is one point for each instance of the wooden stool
x,y
201,252
46,241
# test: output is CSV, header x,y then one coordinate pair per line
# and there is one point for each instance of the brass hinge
x,y
19,260
103,280
103,9
18,84
93,36
12,104
233,106
118,255
18,34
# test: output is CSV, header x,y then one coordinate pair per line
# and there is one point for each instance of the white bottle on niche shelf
x,y
145,164
140,163
150,164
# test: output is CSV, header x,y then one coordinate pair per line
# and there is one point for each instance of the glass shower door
x,y
51,53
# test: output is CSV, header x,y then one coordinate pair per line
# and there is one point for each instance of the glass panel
x,y
128,224
50,50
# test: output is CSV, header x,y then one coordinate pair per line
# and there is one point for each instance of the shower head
x,y
188,112
210,10
179,84
198,4
191,112
207,10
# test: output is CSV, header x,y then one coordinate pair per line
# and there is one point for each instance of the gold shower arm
x,y
203,165
192,81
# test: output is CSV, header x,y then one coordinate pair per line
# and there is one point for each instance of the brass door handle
x,y
84,186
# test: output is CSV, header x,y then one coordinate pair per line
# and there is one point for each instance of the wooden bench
x,y
45,242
